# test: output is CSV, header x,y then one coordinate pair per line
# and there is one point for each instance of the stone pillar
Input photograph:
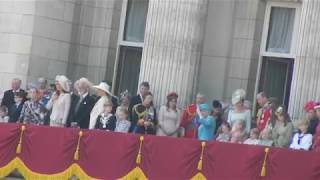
x,y
172,48
306,74
94,39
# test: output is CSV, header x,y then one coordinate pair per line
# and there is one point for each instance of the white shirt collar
x,y
18,90
84,95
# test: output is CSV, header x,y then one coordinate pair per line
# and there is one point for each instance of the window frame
x,y
263,53
292,53
122,43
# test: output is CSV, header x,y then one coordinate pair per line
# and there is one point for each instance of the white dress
x,y
60,110
97,110
169,122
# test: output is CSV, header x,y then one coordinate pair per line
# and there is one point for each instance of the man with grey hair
x,y
42,83
8,97
81,105
45,94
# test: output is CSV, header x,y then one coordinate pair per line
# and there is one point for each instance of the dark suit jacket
x,y
8,98
14,112
134,101
111,124
135,128
82,115
115,104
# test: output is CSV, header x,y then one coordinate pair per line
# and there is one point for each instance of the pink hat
x,y
310,105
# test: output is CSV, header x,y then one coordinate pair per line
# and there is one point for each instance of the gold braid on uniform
x,y
140,114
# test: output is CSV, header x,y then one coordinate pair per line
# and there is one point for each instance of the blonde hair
x,y
303,122
255,131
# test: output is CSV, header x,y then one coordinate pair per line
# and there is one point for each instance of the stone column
x,y
172,47
306,75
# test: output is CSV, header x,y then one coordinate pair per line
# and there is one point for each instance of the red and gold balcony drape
x,y
58,153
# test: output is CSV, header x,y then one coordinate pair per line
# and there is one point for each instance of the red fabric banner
x,y
109,155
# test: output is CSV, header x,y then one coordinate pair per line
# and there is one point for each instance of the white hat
x,y
104,87
238,96
64,82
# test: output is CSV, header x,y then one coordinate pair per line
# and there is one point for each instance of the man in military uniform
x,y
265,112
191,116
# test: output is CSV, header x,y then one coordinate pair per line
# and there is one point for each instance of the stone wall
x,y
94,39
231,48
16,27
51,37
76,38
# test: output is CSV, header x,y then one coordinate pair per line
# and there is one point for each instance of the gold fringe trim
x,y
135,174
76,154
139,156
203,145
19,146
17,164
264,168
199,176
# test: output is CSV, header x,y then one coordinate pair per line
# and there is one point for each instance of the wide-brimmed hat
x,y
64,82
104,87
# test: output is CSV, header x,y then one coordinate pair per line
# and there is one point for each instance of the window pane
x,y
135,20
275,78
280,29
128,69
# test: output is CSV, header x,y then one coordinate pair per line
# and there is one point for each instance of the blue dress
x,y
207,128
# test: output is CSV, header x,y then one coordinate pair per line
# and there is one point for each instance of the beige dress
x,y
169,122
60,110
281,134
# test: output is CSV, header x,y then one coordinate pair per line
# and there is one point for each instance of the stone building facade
x,y
187,46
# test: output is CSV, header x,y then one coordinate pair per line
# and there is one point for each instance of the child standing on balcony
x,y
106,120
239,133
302,140
265,138
4,118
254,137
224,134
122,124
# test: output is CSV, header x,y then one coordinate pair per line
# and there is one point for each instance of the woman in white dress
x,y
60,102
169,117
239,112
103,91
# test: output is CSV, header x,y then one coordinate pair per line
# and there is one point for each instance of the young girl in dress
x,y
122,124
224,134
4,118
254,137
238,133
265,138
